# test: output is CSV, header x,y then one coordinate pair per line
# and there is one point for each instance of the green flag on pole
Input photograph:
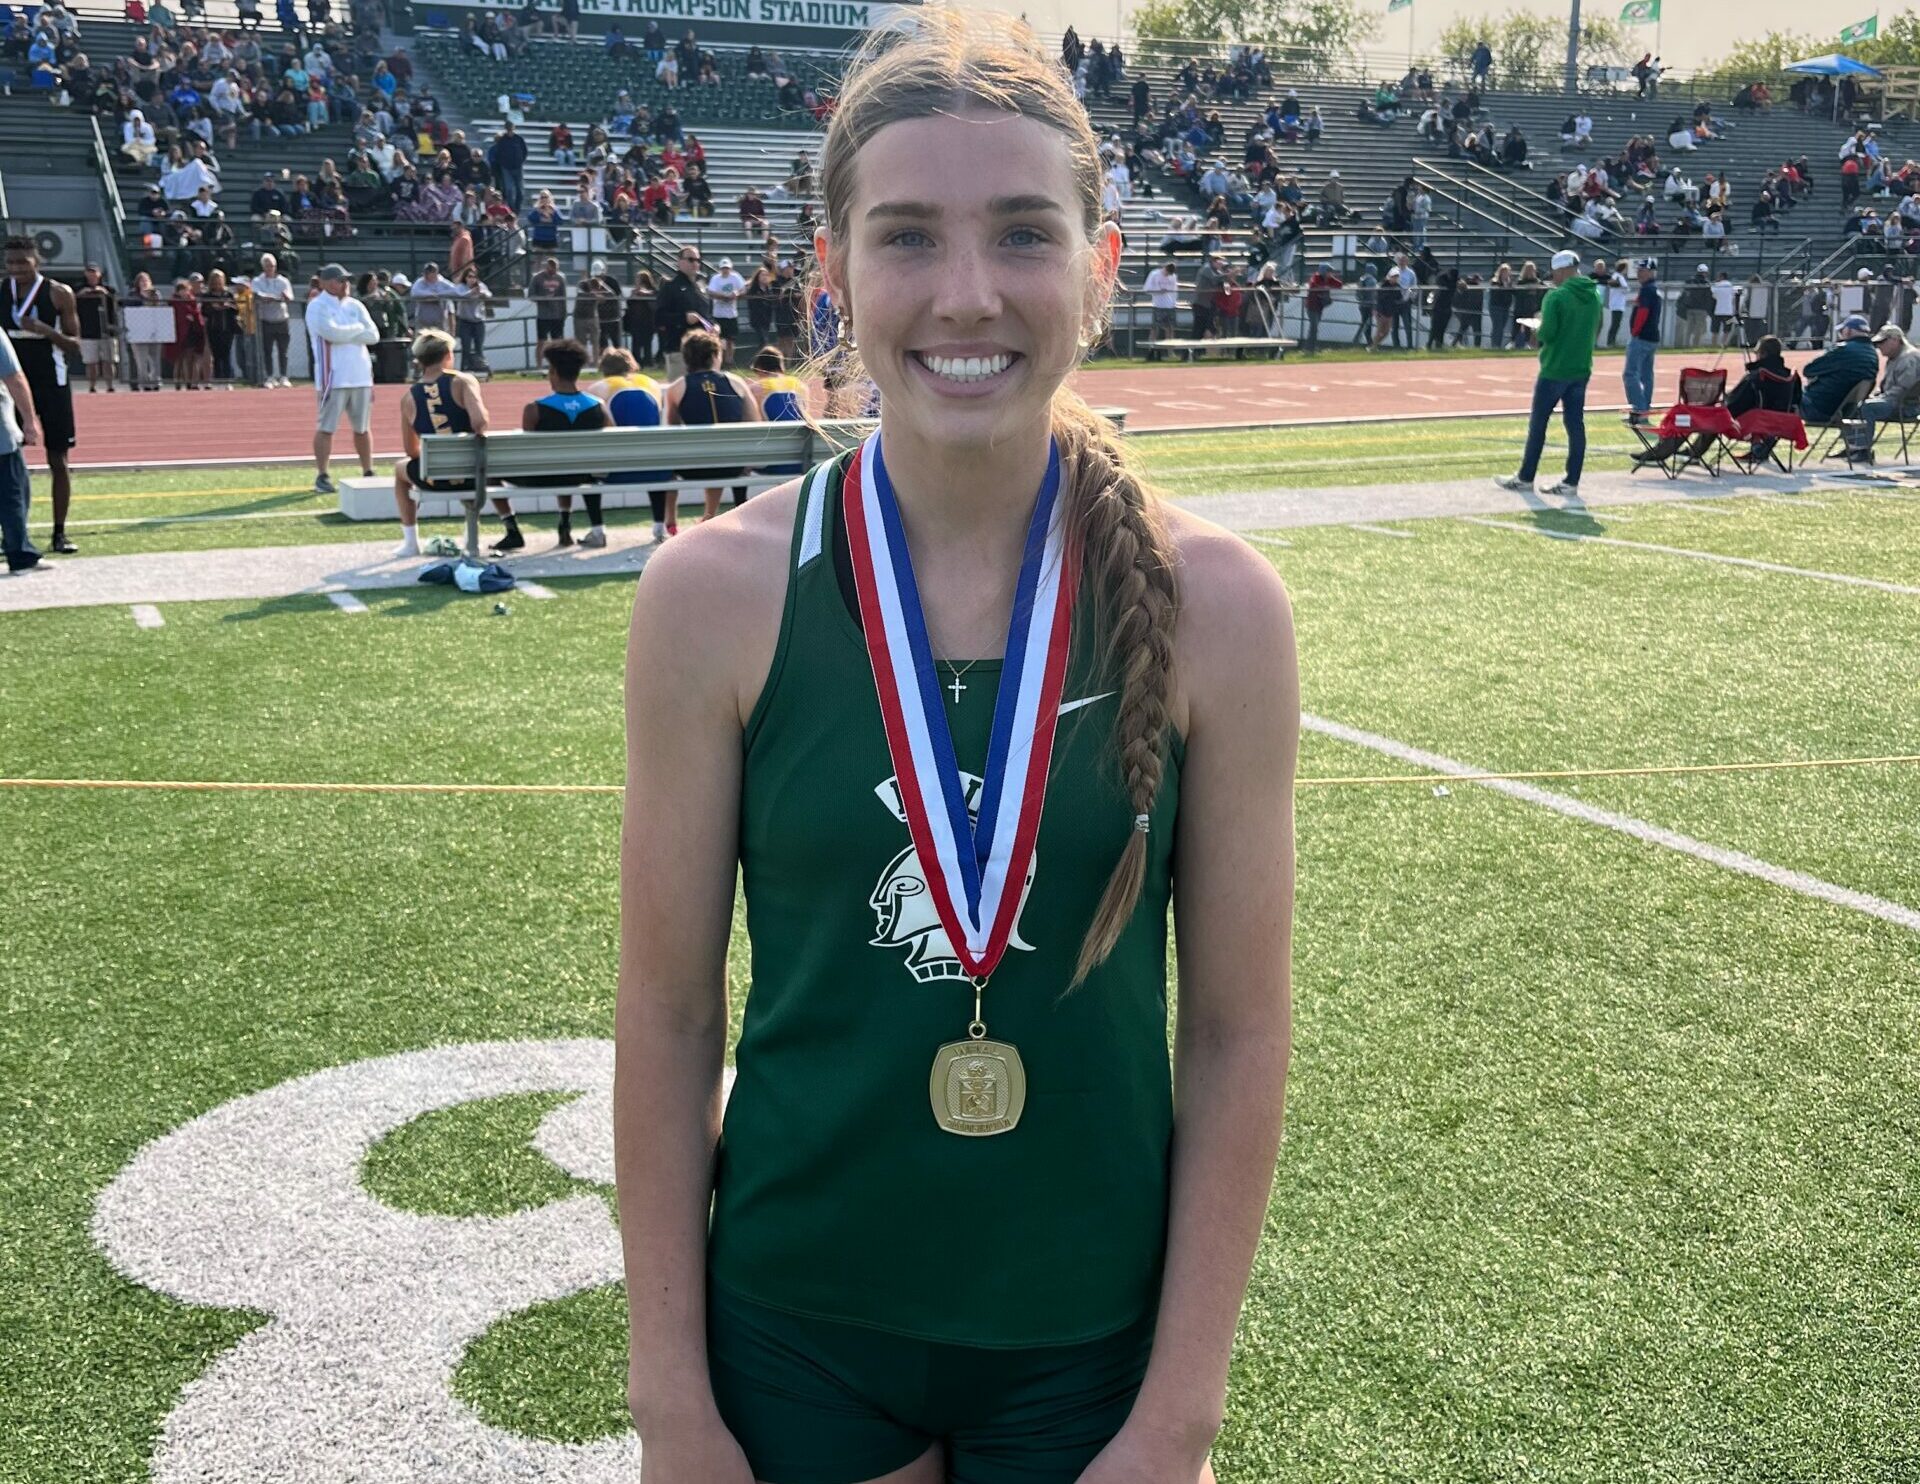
x,y
1640,13
1393,5
1861,30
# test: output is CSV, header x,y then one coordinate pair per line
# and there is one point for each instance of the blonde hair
x,y
431,347
942,61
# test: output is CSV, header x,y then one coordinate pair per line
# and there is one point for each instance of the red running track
x,y
246,425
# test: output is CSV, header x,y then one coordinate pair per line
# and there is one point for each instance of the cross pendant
x,y
956,688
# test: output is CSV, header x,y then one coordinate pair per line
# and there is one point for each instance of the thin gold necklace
x,y
958,670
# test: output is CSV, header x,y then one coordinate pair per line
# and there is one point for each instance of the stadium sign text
x,y
839,15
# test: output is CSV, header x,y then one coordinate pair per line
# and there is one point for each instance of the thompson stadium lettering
x,y
847,15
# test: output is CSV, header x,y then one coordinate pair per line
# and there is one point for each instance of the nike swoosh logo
x,y
1066,706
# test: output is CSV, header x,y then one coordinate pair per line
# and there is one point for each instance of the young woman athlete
x,y
965,707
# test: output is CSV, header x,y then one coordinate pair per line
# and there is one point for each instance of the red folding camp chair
x,y
1770,437
1699,410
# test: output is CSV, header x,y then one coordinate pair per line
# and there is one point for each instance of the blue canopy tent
x,y
1833,64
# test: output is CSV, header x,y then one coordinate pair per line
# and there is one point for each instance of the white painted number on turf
x,y
258,1205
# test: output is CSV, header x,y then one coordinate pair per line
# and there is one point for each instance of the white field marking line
x,y
147,616
1700,556
1265,540
191,520
1379,530
346,602
1698,503
1280,462
534,589
1787,500
1874,494
1145,393
1626,824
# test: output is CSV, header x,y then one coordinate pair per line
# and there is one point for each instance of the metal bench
x,y
481,466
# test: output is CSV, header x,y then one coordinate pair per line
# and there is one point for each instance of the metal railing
x,y
1750,244
1502,204
103,162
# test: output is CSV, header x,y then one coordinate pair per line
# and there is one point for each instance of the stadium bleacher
x,y
750,129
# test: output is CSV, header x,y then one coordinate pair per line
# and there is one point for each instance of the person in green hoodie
x,y
1569,324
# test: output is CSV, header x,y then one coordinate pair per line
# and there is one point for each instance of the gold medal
x,y
978,1086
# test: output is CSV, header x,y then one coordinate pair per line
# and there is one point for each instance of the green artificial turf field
x,y
274,505
1600,1160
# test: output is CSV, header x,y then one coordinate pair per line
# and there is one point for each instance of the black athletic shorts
x,y
53,406
729,328
434,486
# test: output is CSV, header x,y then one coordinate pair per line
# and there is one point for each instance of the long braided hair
x,y
942,61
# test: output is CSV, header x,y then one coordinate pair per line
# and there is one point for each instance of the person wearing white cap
x,y
1333,200
1899,384
1569,325
1694,305
725,288
341,330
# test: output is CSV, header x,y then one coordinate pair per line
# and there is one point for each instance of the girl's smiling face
x,y
965,267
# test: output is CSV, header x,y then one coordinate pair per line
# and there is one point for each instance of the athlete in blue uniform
x,y
565,409
706,396
441,401
782,396
635,400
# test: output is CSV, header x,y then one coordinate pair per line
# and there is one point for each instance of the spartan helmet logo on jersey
x,y
904,906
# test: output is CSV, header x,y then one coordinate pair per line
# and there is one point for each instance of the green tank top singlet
x,y
837,1196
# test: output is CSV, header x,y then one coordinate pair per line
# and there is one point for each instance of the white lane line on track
x,y
1626,824
534,589
346,602
1699,556
147,616
188,520
1279,462
1379,530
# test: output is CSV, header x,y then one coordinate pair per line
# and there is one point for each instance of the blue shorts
x,y
815,1401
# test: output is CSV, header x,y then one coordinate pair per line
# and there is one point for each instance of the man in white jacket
x,y
340,330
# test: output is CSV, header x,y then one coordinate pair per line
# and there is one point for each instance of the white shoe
x,y
1561,490
406,549
1512,482
594,537
659,532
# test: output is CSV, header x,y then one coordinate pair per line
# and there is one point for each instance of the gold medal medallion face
x,y
977,1087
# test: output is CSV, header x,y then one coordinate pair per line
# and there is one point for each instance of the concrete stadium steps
x,y
36,138
736,158
580,79
1373,159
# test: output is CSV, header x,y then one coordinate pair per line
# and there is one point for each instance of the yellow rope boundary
x,y
234,786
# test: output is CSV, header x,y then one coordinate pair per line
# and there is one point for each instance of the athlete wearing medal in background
x,y
965,708
44,324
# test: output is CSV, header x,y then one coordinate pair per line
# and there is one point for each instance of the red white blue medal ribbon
x,y
977,873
